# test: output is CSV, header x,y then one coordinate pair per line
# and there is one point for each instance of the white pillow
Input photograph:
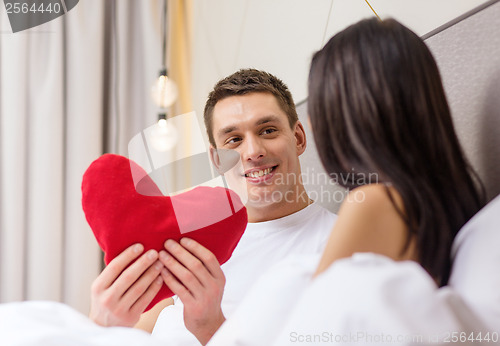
x,y
476,263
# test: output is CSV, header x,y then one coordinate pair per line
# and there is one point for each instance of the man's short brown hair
x,y
247,81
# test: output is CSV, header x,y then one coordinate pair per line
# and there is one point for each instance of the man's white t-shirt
x,y
262,245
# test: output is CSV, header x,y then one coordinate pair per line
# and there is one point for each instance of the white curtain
x,y
70,90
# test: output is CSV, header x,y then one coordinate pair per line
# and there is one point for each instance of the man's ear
x,y
215,158
300,138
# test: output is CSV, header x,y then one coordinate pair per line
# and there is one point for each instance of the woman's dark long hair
x,y
377,105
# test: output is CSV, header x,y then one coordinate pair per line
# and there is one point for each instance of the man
x,y
251,112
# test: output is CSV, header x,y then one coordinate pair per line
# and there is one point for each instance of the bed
x,y
365,299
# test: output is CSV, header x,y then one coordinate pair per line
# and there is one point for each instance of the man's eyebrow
x,y
267,119
226,130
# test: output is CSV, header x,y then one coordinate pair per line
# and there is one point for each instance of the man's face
x,y
257,128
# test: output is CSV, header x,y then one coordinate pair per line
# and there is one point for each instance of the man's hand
x,y
119,295
193,273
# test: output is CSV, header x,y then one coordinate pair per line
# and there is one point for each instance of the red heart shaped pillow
x,y
119,216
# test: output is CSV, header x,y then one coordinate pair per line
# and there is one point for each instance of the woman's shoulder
x,y
374,199
373,217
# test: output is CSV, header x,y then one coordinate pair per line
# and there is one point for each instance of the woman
x,y
377,105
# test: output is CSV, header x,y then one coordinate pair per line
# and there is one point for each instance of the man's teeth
x,y
257,174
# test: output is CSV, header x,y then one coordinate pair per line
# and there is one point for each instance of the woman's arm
x,y
368,222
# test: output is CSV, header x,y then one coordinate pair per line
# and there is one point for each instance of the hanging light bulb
x,y
164,90
163,135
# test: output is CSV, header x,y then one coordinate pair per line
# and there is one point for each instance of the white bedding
x,y
362,300
44,323
366,299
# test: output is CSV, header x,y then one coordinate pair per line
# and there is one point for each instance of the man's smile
x,y
260,174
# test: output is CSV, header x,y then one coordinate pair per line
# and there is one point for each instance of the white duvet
x,y
365,299
44,323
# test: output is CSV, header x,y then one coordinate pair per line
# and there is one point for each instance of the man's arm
x,y
148,319
193,273
119,295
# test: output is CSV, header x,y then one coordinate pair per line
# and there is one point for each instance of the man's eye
x,y
268,131
233,140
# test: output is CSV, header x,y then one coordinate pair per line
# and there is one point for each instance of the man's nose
x,y
254,149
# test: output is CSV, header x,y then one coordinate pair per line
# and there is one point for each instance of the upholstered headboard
x,y
467,50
